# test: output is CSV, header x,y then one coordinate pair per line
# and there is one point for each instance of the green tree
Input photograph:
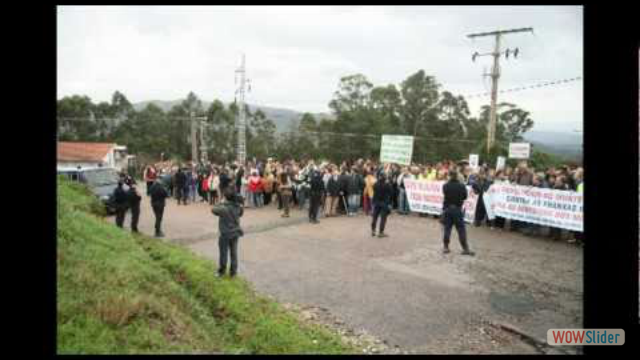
x,y
76,119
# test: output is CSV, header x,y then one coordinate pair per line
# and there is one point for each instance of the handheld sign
x,y
396,149
501,163
474,159
519,150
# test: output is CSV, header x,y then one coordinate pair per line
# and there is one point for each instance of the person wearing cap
x,y
134,199
455,193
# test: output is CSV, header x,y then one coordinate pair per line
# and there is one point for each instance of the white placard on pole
x,y
519,150
396,149
501,163
474,160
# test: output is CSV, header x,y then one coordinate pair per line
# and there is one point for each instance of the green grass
x,y
124,294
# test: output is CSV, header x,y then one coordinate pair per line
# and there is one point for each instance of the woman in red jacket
x,y
255,189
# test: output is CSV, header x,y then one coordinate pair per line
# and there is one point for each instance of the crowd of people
x,y
327,190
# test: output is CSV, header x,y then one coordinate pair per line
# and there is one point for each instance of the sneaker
x,y
373,233
446,251
159,234
219,274
468,252
382,235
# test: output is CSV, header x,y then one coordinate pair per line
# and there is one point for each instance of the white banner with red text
x,y
427,197
547,207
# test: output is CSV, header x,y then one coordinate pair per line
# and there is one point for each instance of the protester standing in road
x,y
316,192
382,202
180,185
370,181
230,231
455,193
150,175
158,195
285,185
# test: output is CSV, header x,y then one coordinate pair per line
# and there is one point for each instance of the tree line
x,y
361,113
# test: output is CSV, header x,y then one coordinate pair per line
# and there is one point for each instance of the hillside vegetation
x,y
121,294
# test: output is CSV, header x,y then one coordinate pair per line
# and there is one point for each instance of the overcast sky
x,y
297,54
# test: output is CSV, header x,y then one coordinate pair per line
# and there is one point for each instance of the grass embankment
x,y
119,293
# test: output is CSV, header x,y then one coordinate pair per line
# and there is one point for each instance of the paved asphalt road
x,y
401,288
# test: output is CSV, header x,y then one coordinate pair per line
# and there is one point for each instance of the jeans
x,y
383,212
403,203
286,198
453,216
192,193
135,216
354,203
256,199
314,206
121,212
228,248
302,198
158,211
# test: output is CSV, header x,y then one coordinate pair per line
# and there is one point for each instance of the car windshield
x,y
101,177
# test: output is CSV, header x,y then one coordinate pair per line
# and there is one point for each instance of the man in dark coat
x,y
230,231
158,195
316,191
134,199
481,185
343,181
120,202
455,193
180,184
382,202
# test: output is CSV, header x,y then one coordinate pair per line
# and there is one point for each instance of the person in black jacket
x,y
134,199
480,186
354,190
343,181
316,191
455,193
158,195
180,184
382,201
120,202
230,231
333,192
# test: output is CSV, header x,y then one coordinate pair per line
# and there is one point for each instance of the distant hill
x,y
283,118
567,145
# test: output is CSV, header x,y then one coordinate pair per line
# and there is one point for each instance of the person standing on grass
x,y
230,231
455,193
158,195
382,203
120,202
134,199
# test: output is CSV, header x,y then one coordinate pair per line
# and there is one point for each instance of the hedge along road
x,y
400,288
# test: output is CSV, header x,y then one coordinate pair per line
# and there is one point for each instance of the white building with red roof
x,y
91,155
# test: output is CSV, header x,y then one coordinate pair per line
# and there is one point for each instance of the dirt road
x,y
402,288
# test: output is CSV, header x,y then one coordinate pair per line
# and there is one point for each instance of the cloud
x,y
297,54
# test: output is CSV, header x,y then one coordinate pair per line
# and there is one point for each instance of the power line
x,y
522,88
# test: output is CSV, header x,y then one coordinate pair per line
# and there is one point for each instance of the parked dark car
x,y
101,181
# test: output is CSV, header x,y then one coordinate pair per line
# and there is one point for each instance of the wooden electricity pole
x,y
495,75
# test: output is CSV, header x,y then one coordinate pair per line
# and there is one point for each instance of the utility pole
x,y
495,74
241,150
194,142
203,145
